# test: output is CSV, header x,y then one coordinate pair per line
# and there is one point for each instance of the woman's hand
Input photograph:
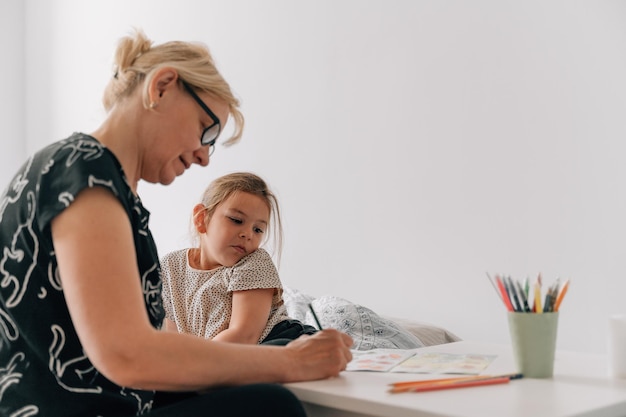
x,y
319,356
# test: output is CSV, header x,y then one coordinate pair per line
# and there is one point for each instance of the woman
x,y
80,293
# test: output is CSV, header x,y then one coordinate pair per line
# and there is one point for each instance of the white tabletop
x,y
580,387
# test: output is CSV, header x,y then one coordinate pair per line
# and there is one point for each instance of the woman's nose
x,y
201,156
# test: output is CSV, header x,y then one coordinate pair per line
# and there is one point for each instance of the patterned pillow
x,y
384,331
297,303
427,333
368,329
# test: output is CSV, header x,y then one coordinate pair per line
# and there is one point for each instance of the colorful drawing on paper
x,y
411,361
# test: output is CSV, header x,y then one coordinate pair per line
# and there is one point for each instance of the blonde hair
x,y
137,60
225,186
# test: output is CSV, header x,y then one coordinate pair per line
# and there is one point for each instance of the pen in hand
x,y
317,321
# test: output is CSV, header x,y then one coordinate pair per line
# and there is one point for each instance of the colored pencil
x,y
448,383
559,298
317,321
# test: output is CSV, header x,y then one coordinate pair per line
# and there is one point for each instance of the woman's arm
x,y
249,315
96,256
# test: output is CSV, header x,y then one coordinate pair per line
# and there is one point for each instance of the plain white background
x,y
414,145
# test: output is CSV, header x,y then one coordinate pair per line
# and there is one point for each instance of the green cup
x,y
533,336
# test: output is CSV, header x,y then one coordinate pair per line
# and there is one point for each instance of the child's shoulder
x,y
174,257
259,260
259,255
260,252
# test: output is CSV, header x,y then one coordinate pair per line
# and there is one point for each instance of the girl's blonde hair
x,y
245,182
137,60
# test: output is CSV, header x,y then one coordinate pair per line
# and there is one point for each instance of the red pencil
x,y
505,295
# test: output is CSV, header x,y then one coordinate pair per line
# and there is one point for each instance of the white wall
x,y
414,145
12,141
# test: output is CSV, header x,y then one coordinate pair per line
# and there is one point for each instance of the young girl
x,y
228,289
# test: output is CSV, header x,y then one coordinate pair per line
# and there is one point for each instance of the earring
x,y
153,105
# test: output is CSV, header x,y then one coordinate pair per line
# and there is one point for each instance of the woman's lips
x,y
185,163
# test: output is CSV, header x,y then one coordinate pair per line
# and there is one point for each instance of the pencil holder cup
x,y
533,337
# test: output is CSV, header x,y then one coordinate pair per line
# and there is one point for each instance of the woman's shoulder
x,y
75,148
65,168
79,161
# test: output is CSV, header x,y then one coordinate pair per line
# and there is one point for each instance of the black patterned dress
x,y
43,368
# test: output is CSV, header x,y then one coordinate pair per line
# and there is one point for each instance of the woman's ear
x,y
164,78
199,218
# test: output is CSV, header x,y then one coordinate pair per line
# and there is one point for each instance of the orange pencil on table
x,y
407,386
462,384
448,383
416,383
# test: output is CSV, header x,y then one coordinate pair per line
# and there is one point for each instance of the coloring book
x,y
414,361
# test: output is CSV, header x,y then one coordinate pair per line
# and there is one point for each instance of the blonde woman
x,y
80,291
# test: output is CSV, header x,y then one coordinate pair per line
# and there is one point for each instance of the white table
x,y
580,387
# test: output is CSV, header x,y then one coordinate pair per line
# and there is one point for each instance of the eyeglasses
x,y
210,133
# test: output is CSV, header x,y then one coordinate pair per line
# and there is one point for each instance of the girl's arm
x,y
96,256
169,326
250,312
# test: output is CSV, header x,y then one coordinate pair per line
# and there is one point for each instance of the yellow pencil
x,y
537,306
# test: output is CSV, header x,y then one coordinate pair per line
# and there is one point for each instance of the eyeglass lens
x,y
211,145
210,134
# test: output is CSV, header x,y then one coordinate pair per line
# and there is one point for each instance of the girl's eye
x,y
258,230
235,220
